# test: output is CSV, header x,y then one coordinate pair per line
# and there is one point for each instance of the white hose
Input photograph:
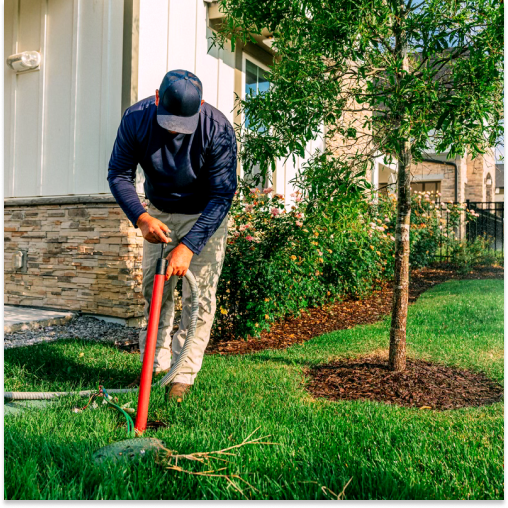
x,y
175,369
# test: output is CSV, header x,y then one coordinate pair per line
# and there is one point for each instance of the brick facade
x,y
82,256
479,170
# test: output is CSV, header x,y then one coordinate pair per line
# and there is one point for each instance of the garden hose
x,y
175,369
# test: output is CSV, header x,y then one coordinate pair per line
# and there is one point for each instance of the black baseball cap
x,y
179,101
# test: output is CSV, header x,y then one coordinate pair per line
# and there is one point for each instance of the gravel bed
x,y
79,327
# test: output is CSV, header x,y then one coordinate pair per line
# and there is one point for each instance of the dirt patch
x,y
423,384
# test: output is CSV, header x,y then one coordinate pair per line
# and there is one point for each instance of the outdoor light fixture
x,y
24,61
489,181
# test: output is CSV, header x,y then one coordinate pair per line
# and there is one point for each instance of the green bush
x,y
465,256
333,242
435,227
279,261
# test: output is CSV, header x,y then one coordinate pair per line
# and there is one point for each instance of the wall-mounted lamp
x,y
24,61
489,181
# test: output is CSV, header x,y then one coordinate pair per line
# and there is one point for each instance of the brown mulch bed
x,y
423,384
345,314
336,316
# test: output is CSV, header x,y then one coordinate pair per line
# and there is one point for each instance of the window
x,y
255,82
431,187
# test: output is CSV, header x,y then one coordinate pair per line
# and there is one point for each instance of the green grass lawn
x,y
383,452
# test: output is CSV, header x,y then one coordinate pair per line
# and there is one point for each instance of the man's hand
x,y
152,229
179,260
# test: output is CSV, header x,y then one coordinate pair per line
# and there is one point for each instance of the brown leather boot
x,y
177,391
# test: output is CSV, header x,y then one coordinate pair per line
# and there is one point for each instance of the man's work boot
x,y
177,391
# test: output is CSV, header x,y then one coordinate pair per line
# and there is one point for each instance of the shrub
x,y
434,226
333,242
465,256
280,261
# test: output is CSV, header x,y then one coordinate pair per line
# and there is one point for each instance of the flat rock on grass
x,y
423,384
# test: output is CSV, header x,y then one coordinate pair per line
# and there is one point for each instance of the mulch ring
x,y
423,384
345,314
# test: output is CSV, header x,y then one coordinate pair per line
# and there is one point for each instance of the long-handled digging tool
x,y
137,446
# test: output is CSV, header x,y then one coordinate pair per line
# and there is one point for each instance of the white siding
x,y
153,45
10,36
61,120
173,34
226,79
182,36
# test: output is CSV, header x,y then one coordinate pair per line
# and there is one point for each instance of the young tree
x,y
391,77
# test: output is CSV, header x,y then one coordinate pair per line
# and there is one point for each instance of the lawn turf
x,y
384,452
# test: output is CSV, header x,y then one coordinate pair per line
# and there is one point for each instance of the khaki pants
x,y
206,267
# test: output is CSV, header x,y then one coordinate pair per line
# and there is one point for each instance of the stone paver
x,y
29,318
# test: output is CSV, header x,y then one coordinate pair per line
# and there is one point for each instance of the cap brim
x,y
180,124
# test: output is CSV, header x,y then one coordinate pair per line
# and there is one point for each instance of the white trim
x,y
74,96
42,95
244,71
428,178
196,36
14,96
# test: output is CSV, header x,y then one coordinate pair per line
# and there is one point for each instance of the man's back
x,y
179,168
184,173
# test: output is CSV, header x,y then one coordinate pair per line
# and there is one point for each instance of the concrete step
x,y
30,318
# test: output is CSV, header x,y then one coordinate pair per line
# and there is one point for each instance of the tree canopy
x,y
338,64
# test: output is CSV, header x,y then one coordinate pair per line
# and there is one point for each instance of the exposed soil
x,y
423,384
345,314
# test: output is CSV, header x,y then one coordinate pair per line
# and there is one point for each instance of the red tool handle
x,y
150,343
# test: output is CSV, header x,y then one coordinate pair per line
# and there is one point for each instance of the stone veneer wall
x,y
83,254
477,171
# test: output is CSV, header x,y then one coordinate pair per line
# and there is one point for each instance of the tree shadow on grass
x,y
63,366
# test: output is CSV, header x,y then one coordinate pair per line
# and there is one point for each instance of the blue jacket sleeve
x,y
221,161
122,171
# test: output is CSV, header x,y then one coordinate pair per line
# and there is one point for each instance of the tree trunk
x,y
397,356
397,360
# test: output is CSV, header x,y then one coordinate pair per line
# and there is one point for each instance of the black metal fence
x,y
488,224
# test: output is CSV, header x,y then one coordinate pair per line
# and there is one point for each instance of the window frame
x,y
424,182
256,62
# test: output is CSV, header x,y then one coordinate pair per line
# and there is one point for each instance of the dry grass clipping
x,y
169,459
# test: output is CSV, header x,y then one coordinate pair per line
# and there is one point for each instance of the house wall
x,y
429,171
61,120
83,254
174,34
499,197
354,117
478,170
60,126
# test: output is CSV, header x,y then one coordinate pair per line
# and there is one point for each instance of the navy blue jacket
x,y
184,173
